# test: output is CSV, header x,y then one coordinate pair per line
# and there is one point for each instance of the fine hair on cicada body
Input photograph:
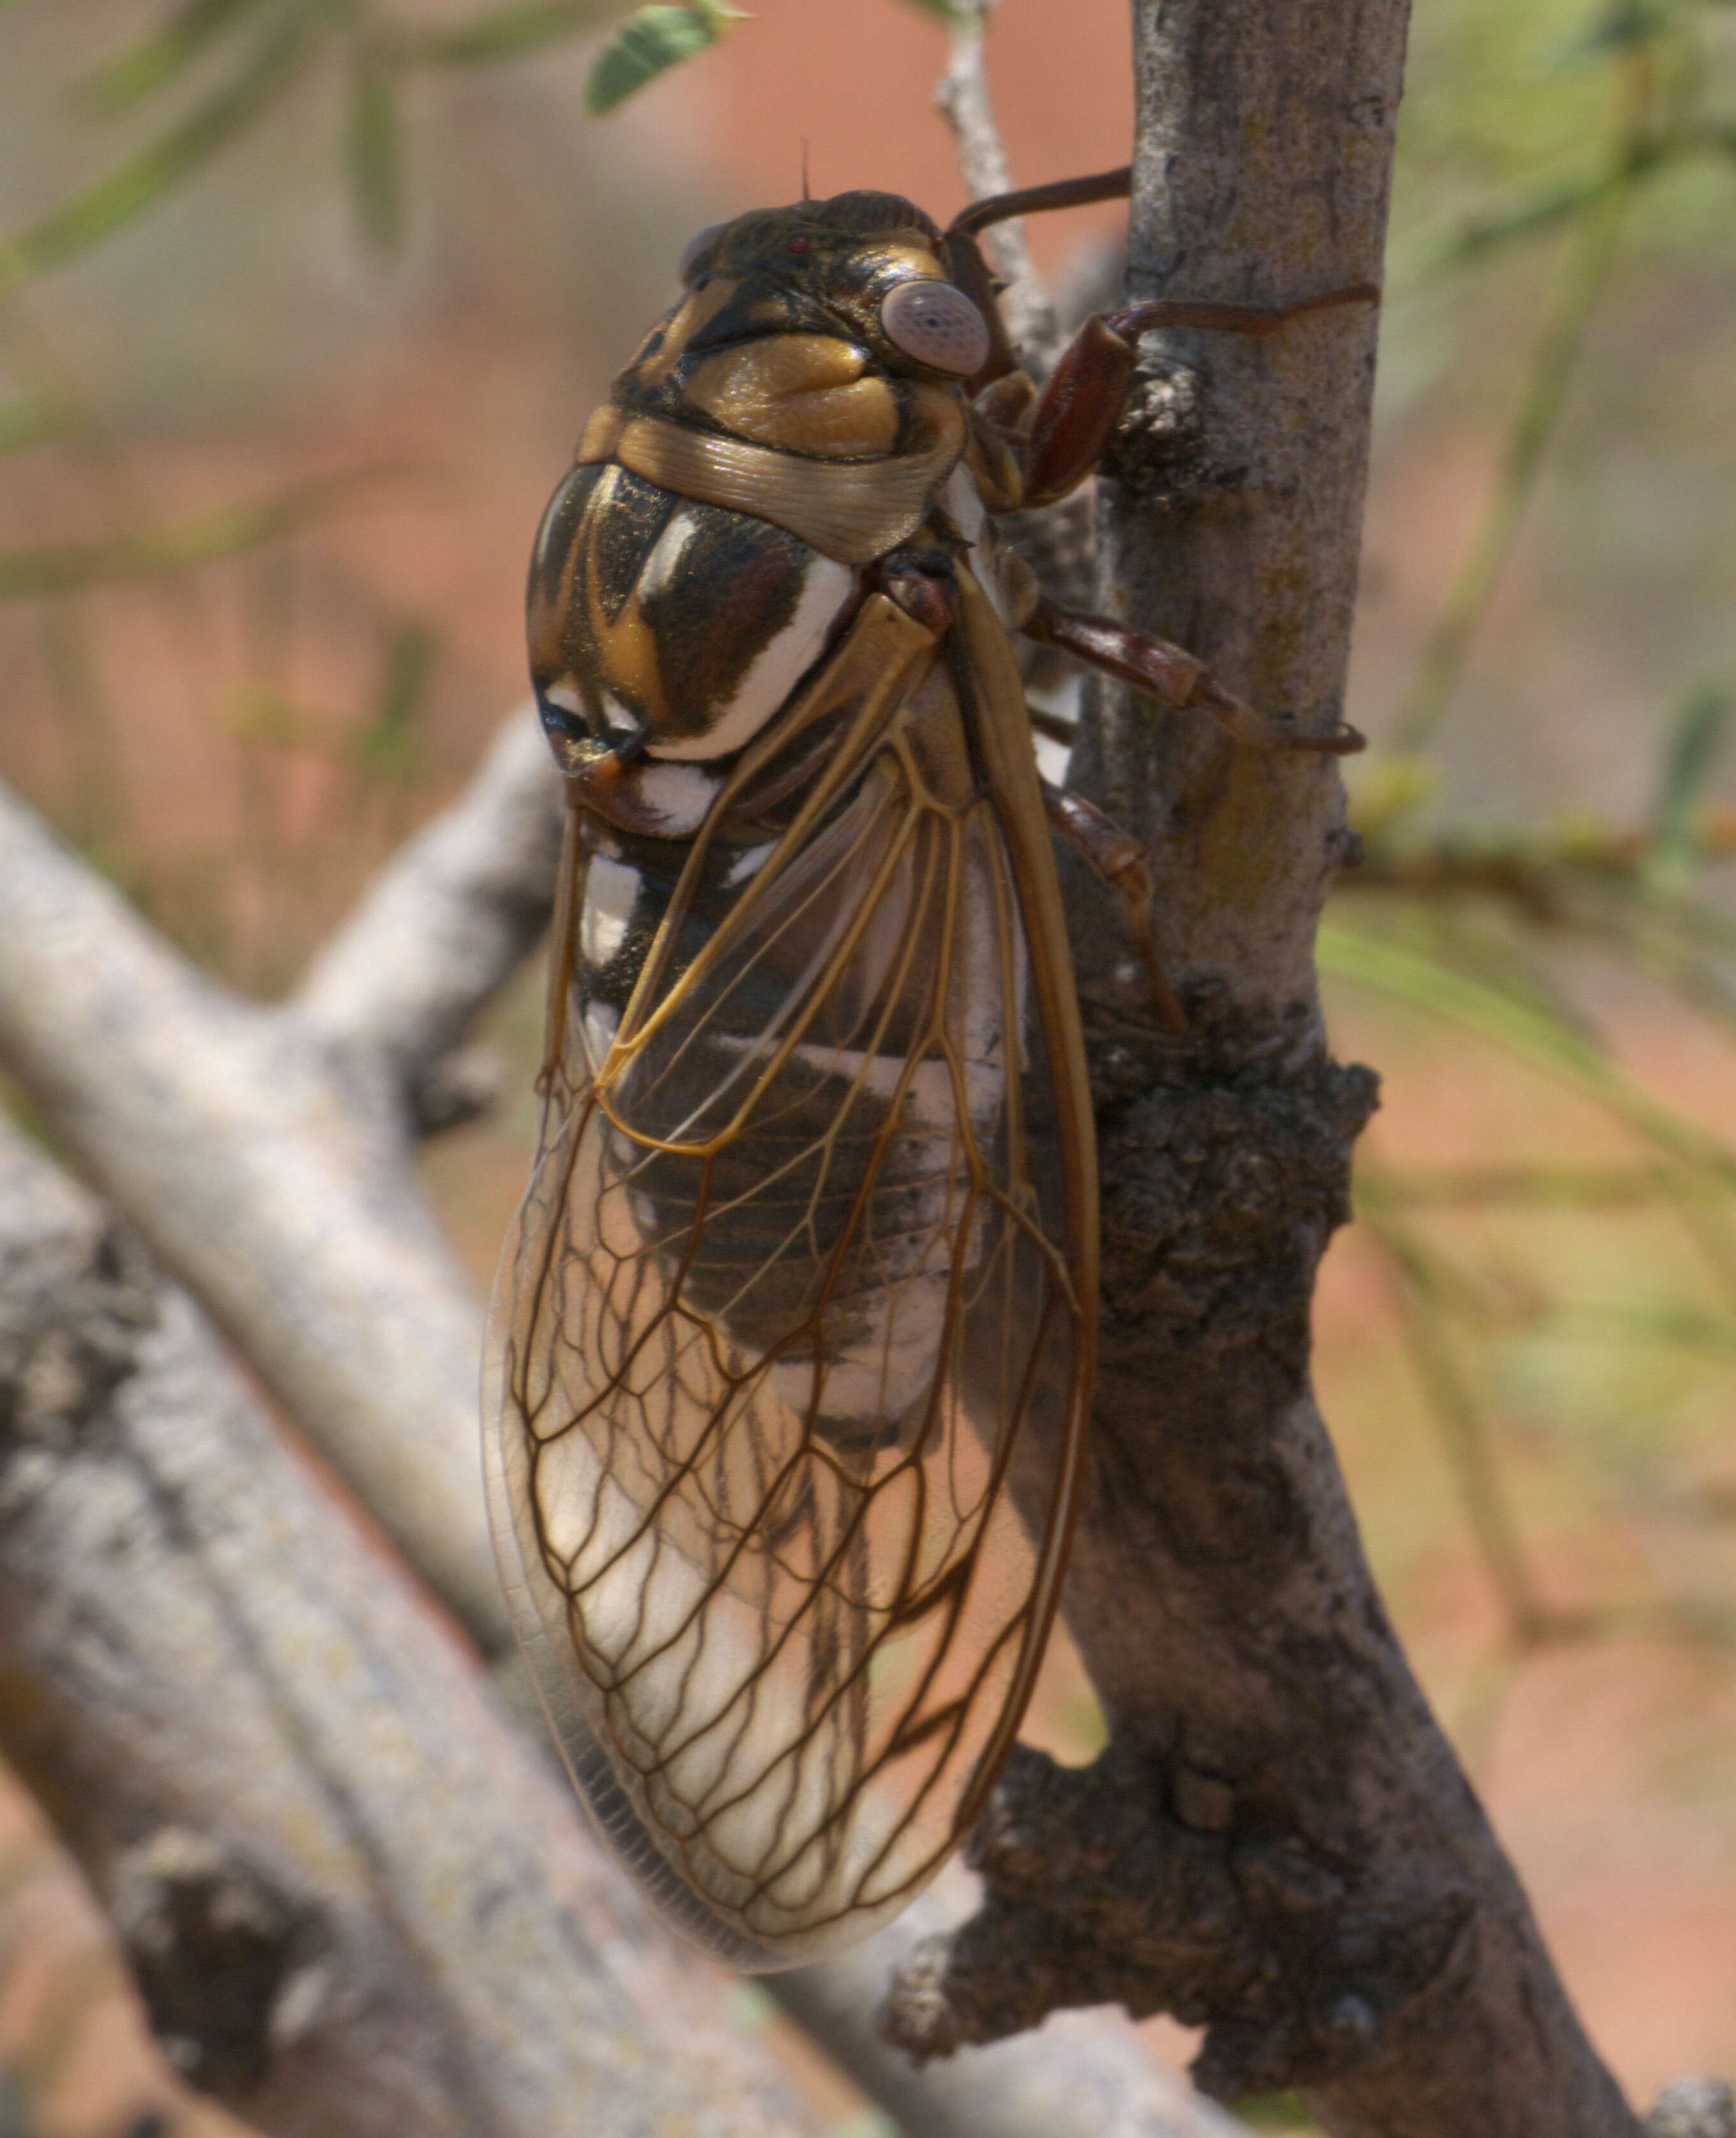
x,y
791,1353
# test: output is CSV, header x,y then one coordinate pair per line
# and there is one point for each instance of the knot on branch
x,y
226,1960
1161,449
1224,1176
1694,2108
1102,1888
74,1305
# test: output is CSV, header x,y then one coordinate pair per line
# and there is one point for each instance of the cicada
x,y
792,1349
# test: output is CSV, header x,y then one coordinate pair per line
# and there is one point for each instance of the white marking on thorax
x,y
962,503
665,558
617,718
785,657
964,506
612,890
680,794
748,863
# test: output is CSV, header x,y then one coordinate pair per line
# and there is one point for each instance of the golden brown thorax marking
x,y
804,392
695,310
852,511
626,648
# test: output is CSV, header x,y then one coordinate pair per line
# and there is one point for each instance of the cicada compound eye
x,y
938,325
697,248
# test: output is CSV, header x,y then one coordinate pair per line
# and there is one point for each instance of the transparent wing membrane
x,y
787,1356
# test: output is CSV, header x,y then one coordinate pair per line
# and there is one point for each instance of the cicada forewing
x,y
792,1342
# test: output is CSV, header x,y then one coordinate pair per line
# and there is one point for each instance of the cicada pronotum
x,y
792,1352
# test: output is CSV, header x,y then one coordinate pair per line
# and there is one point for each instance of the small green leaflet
x,y
1689,757
649,40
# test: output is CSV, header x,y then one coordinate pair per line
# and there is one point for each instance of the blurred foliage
x,y
1575,145
228,531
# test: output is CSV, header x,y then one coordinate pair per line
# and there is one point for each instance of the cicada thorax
x,y
772,439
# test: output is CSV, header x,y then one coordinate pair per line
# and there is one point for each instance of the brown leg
x,y
1082,403
1053,725
1120,861
1175,679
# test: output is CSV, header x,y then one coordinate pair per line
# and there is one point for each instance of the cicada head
x,y
818,298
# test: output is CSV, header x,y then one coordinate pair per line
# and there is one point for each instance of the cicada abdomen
x,y
791,1350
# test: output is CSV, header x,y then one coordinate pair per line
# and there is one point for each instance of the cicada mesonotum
x,y
791,1350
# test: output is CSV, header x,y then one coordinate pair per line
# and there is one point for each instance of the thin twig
x,y
962,96
1601,219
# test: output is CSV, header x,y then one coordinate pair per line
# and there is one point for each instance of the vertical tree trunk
x,y
1278,1843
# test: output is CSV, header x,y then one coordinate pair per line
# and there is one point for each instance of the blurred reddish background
x,y
241,745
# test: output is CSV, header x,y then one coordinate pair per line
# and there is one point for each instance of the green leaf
x,y
141,179
200,538
1553,204
1688,757
651,40
140,69
502,33
948,11
375,186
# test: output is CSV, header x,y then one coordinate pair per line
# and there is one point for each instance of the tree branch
x,y
1085,2075
267,1154
1278,1842
962,96
229,1135
356,1905
397,991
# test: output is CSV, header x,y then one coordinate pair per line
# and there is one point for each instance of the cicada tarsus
x,y
791,1348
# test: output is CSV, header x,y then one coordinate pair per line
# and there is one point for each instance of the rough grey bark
x,y
1080,2075
238,1140
1278,1842
356,1905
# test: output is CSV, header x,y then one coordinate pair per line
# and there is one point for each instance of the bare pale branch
x,y
245,1144
226,1133
398,987
356,1903
962,96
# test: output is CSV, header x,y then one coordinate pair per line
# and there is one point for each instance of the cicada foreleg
x,y
1079,409
1069,428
